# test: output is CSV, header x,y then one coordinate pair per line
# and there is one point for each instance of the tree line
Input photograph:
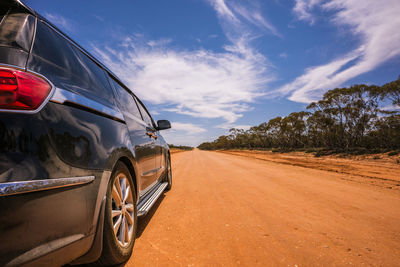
x,y
345,119
180,147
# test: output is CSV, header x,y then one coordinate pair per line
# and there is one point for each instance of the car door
x,y
151,127
139,130
160,159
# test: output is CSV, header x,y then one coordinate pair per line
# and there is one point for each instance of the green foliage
x,y
393,153
348,120
181,147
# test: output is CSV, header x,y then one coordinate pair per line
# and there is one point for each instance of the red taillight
x,y
21,90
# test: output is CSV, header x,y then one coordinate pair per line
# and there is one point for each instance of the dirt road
x,y
229,210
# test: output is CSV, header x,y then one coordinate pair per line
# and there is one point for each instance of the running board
x,y
145,205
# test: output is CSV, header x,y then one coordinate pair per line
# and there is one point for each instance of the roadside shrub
x,y
366,129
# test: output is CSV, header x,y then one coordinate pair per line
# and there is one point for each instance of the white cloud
x,y
303,8
254,17
198,83
242,126
160,42
377,24
154,112
186,127
183,134
237,19
223,11
63,23
391,108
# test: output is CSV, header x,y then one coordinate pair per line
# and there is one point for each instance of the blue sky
x,y
210,65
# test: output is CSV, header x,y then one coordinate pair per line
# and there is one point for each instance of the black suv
x,y
80,156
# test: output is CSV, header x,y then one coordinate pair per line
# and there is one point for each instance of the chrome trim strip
x,y
14,188
33,41
12,66
62,96
136,119
25,6
36,74
150,172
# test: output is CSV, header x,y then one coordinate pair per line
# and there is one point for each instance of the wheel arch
x,y
119,155
131,169
126,156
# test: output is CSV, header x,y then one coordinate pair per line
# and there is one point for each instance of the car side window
x,y
146,116
126,100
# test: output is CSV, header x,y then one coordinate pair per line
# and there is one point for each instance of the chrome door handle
x,y
150,134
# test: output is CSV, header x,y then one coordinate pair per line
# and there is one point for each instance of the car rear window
x,y
16,26
67,66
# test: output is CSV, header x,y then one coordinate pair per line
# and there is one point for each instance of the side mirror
x,y
163,125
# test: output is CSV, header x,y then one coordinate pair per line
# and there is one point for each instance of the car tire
x,y
120,214
168,177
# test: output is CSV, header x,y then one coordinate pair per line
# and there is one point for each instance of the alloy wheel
x,y
122,210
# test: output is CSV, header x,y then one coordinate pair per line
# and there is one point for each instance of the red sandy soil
x,y
377,169
268,209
